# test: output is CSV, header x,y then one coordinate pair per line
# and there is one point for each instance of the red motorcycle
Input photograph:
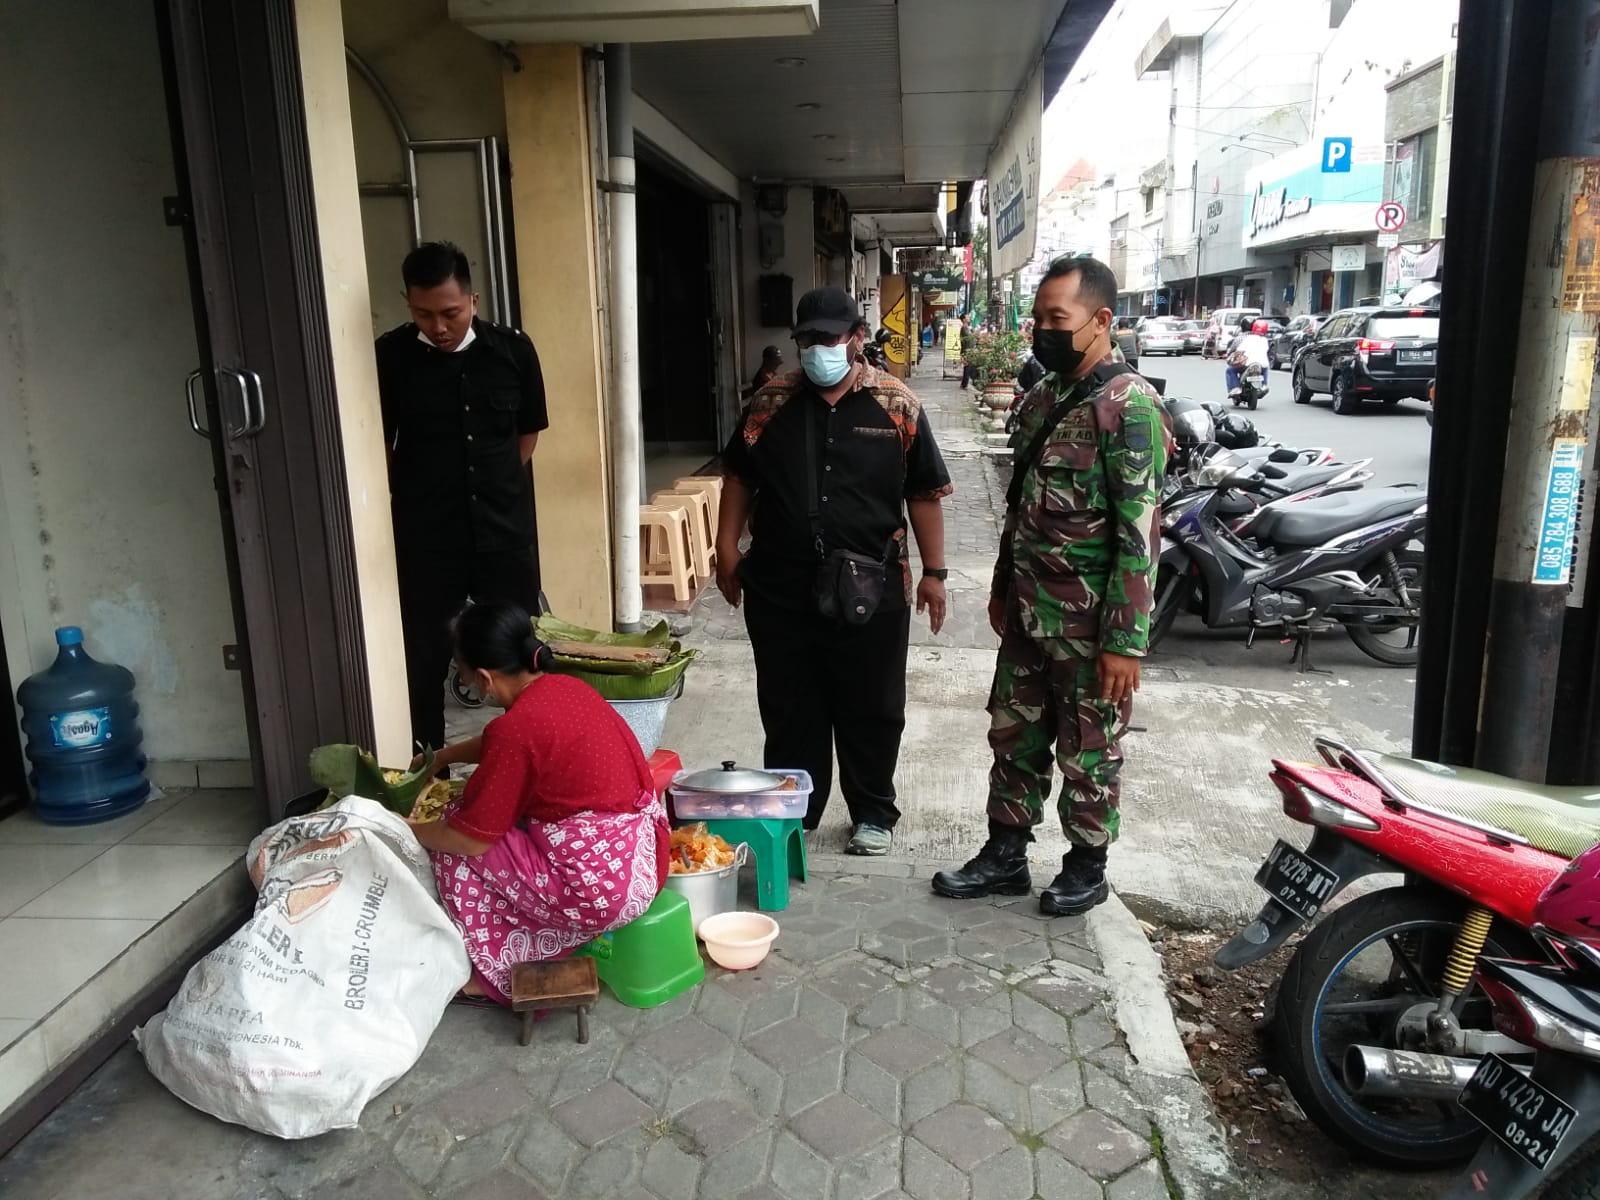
x,y
1390,973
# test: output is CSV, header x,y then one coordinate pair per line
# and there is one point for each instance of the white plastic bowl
x,y
738,940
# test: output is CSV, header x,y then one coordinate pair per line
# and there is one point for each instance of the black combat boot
x,y
1001,867
1081,884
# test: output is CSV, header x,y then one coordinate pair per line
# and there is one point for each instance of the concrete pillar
x,y
553,210
320,26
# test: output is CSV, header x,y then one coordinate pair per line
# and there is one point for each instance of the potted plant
x,y
995,359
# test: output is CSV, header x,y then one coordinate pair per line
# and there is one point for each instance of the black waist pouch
x,y
849,587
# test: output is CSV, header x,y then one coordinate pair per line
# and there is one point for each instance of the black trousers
x,y
434,587
824,687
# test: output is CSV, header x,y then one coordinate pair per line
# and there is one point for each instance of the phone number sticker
x,y
1553,559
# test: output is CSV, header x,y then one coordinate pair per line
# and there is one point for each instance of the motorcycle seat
x,y
1559,820
1297,479
1312,522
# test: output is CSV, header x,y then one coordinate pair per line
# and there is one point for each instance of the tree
x,y
978,300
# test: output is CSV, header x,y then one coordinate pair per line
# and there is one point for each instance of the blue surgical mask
x,y
826,365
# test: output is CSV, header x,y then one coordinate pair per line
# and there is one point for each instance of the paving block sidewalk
x,y
894,1045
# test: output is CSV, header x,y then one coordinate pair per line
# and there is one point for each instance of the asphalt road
x,y
1396,437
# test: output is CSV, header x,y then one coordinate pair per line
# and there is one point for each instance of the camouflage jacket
x,y
1080,552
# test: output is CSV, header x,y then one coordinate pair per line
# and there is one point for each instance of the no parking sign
x,y
1390,217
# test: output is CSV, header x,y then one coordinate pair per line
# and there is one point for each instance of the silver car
x,y
1162,335
1194,336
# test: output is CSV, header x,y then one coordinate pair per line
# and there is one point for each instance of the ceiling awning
x,y
588,21
882,93
911,229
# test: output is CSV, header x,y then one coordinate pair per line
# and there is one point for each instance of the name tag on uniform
x,y
875,431
1076,427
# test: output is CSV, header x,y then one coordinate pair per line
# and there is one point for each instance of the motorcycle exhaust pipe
x,y
1374,1071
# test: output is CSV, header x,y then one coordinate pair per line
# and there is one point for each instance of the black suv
x,y
1364,354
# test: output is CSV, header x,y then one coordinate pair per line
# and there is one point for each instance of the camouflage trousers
x,y
1045,703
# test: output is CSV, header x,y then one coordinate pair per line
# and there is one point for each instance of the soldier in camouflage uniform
x,y
1072,594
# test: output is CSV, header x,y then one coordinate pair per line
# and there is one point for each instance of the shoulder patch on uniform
x,y
1136,434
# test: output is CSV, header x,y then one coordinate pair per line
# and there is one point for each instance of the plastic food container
x,y
710,892
738,941
691,805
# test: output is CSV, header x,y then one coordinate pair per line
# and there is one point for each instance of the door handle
x,y
256,396
252,401
189,381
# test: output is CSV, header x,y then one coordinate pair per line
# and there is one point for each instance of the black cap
x,y
828,310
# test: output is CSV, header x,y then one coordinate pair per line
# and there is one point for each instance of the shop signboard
x,y
942,279
1405,266
1349,258
1291,197
1012,183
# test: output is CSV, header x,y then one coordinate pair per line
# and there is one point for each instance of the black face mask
x,y
1056,350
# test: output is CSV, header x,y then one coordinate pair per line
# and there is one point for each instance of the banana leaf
x,y
658,682
554,629
347,770
568,664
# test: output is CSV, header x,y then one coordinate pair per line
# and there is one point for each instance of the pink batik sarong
x,y
544,889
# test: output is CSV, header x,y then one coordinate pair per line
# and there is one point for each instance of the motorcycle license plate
x,y
1300,884
1416,356
1528,1117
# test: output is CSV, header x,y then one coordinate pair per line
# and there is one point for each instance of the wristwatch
x,y
939,573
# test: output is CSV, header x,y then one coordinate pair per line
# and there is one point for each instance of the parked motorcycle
x,y
1542,1110
1283,475
1281,455
1344,559
874,351
1383,986
1254,506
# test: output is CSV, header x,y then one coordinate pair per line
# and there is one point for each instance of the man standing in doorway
x,y
463,406
1072,594
827,465
771,364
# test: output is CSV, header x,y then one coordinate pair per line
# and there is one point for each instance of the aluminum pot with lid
x,y
711,892
730,779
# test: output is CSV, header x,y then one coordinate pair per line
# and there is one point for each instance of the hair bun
x,y
536,656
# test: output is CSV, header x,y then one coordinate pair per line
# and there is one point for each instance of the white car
x,y
1161,336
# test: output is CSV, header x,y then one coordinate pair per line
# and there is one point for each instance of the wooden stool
x,y
694,510
702,518
565,983
677,566
711,486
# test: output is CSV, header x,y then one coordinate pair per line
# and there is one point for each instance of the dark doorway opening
x,y
677,367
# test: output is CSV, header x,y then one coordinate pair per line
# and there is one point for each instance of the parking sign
x,y
1337,154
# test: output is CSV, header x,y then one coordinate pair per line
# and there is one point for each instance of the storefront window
x,y
1413,174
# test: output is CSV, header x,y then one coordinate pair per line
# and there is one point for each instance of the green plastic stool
x,y
779,848
652,958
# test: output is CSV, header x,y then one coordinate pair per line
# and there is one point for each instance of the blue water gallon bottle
x,y
82,726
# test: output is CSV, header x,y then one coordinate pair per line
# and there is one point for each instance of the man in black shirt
x,y
823,685
463,406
